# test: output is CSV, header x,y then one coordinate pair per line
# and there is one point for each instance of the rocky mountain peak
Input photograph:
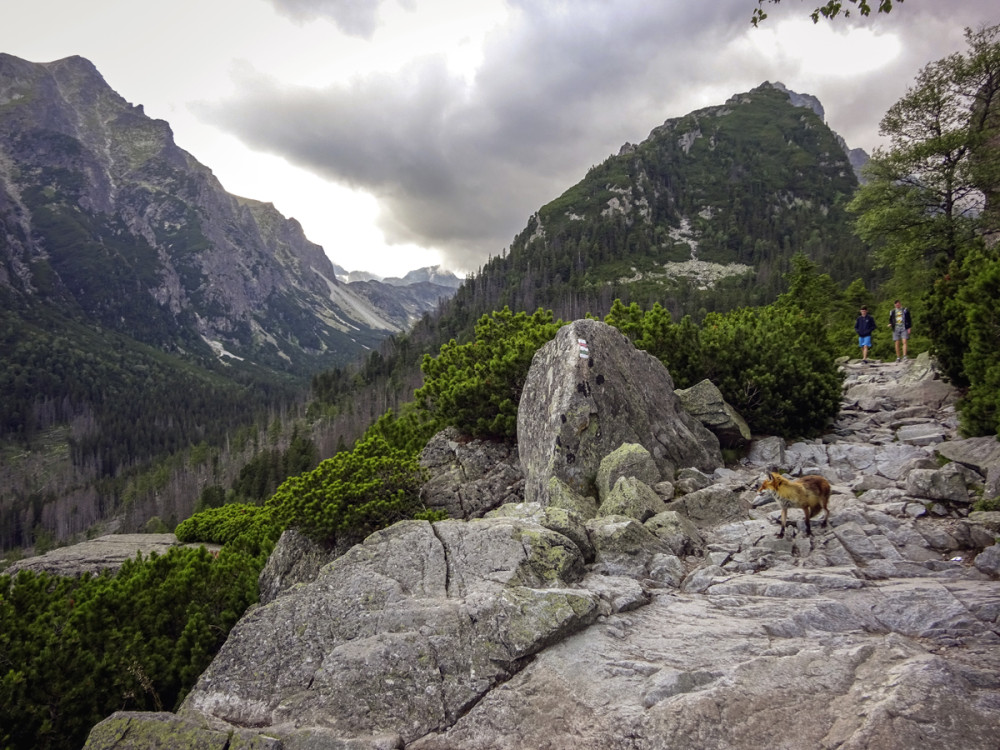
x,y
128,227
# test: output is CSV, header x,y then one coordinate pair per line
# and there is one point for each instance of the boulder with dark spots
x,y
589,391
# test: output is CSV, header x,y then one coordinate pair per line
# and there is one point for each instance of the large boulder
x,y
589,391
400,635
633,498
979,453
105,553
629,460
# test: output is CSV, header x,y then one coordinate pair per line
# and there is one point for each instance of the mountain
x,y
704,214
107,220
143,309
403,301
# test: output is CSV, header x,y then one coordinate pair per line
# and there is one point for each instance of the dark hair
x,y
864,308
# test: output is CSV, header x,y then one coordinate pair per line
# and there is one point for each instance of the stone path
x,y
897,506
881,631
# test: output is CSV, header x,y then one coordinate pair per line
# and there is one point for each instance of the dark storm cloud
x,y
460,165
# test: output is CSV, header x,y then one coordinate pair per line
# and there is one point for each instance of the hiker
x,y
865,327
900,323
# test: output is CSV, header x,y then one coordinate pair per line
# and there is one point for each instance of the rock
x,y
616,593
806,458
981,454
628,460
710,506
667,570
579,386
624,547
448,610
705,402
665,490
947,484
988,561
988,519
295,559
564,521
534,627
691,480
740,685
892,461
633,498
469,477
933,394
561,495
700,579
156,730
767,453
103,553
677,531
921,434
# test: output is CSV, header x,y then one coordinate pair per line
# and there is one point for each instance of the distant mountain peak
x,y
111,220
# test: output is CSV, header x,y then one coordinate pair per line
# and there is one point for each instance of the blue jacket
x,y
865,325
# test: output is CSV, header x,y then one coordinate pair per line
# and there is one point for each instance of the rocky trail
x,y
669,617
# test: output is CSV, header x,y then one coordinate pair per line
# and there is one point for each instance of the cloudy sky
x,y
407,133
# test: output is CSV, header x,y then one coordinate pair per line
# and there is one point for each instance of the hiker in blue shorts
x,y
865,326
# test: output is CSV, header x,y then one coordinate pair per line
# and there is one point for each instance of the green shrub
x,y
772,365
351,494
250,527
980,407
477,386
77,649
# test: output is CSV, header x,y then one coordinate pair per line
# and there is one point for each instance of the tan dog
x,y
811,493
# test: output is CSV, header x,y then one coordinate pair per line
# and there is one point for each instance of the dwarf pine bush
x,y
477,386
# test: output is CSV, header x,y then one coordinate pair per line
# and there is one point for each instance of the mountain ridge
x,y
80,165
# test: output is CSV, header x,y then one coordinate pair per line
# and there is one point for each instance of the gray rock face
x,y
588,392
469,477
402,633
705,402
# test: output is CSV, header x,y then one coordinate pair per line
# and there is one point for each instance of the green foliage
x,y
980,300
408,431
829,10
477,386
925,205
772,365
251,528
351,494
261,475
74,650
